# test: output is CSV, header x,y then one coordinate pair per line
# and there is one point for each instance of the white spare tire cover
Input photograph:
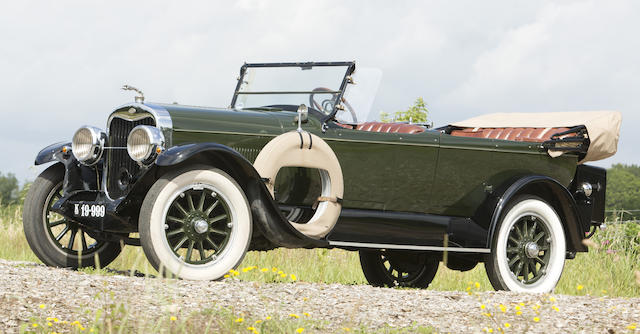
x,y
303,149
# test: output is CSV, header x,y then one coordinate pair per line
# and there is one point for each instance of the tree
x,y
623,188
417,113
9,189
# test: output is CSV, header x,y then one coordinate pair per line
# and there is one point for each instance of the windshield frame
x,y
346,79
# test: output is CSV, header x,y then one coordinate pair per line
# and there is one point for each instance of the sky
x,y
62,62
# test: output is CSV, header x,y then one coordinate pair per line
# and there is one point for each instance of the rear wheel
x,y
528,249
398,268
195,223
55,240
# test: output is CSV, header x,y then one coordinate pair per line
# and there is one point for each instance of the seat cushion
x,y
536,135
390,127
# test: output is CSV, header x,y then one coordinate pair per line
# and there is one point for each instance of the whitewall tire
x,y
528,249
195,223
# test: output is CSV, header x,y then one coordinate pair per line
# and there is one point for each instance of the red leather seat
x,y
390,127
536,135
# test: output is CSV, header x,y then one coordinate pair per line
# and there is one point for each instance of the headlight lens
x,y
587,189
144,142
88,144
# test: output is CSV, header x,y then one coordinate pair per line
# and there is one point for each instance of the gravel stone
x,y
67,294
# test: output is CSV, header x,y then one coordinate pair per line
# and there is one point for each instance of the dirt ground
x,y
67,294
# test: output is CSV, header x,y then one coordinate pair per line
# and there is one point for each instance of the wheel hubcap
x,y
531,250
200,226
528,249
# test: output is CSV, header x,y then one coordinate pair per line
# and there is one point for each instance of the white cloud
x,y
63,62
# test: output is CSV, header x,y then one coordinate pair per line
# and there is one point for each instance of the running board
x,y
408,247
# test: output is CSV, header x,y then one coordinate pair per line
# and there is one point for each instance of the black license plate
x,y
88,210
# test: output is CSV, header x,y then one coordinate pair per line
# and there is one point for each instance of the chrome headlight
x,y
144,143
88,144
587,189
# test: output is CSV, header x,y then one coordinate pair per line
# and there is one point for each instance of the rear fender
x,y
551,191
266,214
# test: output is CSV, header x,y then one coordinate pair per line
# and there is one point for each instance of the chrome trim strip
x,y
161,115
409,247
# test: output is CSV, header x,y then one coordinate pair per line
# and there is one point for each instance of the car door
x,y
385,171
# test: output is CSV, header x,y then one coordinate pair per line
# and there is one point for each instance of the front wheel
x,y
528,248
55,240
195,223
398,268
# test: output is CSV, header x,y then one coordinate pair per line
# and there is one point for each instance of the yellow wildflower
x,y
519,313
34,325
239,320
264,270
555,308
280,272
226,276
293,315
477,285
293,277
482,307
632,326
536,319
274,269
306,314
503,308
300,330
517,307
42,306
267,318
49,324
579,287
521,304
251,328
552,299
258,321
507,325
283,275
346,329
173,318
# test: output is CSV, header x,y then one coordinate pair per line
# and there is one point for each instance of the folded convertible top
x,y
602,128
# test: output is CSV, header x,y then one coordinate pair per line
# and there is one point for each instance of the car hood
x,y
205,119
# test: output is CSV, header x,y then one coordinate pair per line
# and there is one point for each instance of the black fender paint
x,y
569,215
265,211
51,153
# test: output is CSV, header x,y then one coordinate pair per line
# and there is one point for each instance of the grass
x,y
606,270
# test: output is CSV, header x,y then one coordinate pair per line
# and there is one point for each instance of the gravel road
x,y
66,294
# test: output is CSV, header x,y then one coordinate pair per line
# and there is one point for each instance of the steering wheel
x,y
328,104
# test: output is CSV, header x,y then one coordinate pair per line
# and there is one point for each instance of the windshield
x,y
317,85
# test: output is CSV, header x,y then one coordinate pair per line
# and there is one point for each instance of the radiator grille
x,y
118,161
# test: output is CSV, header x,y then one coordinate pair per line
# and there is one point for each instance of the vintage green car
x,y
295,161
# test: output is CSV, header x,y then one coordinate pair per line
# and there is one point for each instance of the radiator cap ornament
x,y
138,98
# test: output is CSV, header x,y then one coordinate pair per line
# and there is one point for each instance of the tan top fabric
x,y
603,127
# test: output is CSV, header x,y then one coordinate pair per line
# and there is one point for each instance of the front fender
x,y
551,190
51,153
265,211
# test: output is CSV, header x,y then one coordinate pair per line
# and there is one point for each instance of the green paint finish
x,y
428,172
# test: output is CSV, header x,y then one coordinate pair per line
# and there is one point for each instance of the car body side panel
x,y
469,169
